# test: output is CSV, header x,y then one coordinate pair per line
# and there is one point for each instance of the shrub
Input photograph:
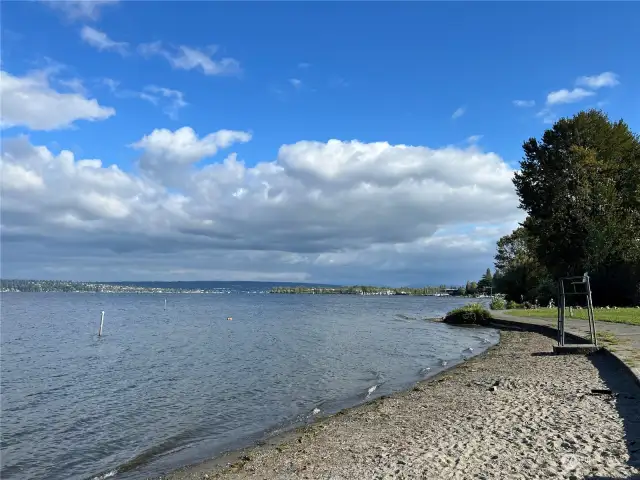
x,y
511,305
497,303
472,314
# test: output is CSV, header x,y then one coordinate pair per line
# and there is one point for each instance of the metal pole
x,y
592,320
562,317
559,307
101,323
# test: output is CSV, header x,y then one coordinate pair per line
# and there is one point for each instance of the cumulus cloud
x,y
334,211
30,101
80,9
295,82
166,153
101,41
190,58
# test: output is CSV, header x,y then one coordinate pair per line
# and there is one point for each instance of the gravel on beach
x,y
516,412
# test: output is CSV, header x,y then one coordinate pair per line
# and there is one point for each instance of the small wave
x,y
402,316
316,411
170,445
371,390
424,371
109,474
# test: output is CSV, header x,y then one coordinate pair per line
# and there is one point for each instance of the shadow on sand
x,y
627,392
633,477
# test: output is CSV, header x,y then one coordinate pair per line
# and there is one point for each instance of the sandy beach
x,y
515,412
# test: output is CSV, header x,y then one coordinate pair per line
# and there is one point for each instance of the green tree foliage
x,y
486,282
580,186
471,288
519,275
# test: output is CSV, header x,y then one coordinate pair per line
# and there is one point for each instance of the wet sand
x,y
515,412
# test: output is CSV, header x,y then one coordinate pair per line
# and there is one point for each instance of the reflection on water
x,y
164,388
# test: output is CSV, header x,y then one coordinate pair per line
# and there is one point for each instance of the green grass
x,y
607,338
630,316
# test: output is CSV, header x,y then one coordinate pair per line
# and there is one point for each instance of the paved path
x,y
619,338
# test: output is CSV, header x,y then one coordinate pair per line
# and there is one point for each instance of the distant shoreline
x,y
61,286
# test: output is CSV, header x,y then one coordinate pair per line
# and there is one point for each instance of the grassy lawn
x,y
621,315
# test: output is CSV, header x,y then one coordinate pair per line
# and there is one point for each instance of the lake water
x,y
165,388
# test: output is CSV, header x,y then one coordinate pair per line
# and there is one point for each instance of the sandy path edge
x,y
513,431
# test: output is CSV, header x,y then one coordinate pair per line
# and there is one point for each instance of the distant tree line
x,y
580,188
10,285
369,290
48,286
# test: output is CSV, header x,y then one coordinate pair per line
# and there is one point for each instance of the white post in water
x,y
101,323
165,303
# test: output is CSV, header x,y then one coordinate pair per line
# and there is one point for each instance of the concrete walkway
x,y
620,339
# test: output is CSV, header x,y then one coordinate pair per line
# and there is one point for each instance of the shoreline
x,y
296,453
233,458
226,459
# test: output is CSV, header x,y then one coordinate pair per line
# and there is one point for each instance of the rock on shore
x,y
515,412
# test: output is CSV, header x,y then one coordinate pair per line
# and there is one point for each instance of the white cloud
x,y
166,153
80,9
101,41
474,138
340,211
297,83
31,102
605,79
189,58
170,100
175,98
547,116
458,113
524,103
568,96
74,84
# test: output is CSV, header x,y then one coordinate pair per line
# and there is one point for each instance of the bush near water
x,y
497,303
472,314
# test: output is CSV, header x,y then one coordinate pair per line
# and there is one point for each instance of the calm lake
x,y
166,388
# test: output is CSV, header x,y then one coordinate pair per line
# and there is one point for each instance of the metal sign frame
x,y
562,294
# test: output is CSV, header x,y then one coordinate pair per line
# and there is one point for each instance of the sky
x,y
332,142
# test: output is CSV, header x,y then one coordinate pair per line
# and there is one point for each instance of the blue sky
x,y
303,72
